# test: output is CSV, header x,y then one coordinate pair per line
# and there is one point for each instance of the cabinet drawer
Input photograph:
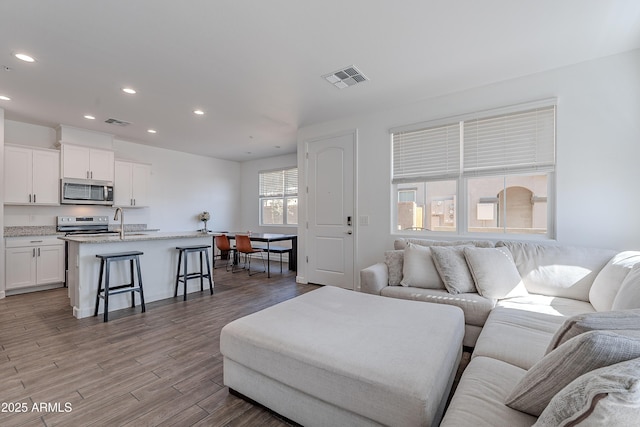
x,y
19,242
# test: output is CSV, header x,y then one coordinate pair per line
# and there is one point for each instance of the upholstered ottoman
x,y
334,357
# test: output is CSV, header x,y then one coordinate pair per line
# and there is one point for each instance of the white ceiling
x,y
255,66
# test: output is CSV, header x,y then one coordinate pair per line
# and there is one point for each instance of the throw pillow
x,y
610,278
576,357
607,320
494,272
608,396
419,270
394,261
629,294
452,266
402,243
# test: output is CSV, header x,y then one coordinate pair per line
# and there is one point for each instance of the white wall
x,y
250,214
29,134
598,147
182,186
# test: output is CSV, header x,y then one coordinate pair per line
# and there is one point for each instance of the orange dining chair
x,y
243,246
226,251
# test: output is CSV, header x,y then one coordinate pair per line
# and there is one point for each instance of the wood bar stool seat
x,y
185,276
107,290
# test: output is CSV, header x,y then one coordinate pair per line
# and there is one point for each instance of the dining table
x,y
269,238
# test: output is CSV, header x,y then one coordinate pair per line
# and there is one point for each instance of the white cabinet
x,y
131,184
33,261
86,163
31,176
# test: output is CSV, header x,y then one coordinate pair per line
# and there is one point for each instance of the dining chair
x,y
226,250
243,246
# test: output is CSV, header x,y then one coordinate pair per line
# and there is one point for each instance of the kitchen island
x,y
158,265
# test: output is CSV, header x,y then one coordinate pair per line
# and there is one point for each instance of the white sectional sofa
x,y
554,329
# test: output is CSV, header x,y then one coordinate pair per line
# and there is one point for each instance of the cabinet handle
x,y
34,198
38,251
134,202
91,174
35,241
87,174
33,253
29,198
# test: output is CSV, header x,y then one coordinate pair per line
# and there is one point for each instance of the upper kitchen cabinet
x,y
31,176
86,163
131,184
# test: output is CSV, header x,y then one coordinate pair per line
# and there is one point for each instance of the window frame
x,y
284,196
462,178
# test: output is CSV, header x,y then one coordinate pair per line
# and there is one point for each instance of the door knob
x,y
349,232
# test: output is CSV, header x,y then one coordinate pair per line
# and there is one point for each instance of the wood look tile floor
x,y
159,368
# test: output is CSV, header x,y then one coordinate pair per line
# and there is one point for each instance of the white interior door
x,y
331,210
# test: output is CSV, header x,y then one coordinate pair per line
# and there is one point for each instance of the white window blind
x,y
279,183
426,153
521,141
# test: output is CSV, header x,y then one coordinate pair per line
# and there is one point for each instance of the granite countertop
x,y
43,230
50,230
136,237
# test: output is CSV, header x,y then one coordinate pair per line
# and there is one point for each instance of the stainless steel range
x,y
84,225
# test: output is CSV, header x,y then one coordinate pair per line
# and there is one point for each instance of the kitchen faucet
x,y
115,218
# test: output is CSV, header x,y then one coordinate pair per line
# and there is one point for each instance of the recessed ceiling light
x,y
151,130
4,98
129,90
24,57
198,112
89,117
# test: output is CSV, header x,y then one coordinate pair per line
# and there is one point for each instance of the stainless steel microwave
x,y
86,192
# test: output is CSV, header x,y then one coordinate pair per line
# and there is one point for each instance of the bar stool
x,y
184,253
107,290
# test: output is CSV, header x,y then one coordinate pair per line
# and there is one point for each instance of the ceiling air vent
x,y
117,122
348,76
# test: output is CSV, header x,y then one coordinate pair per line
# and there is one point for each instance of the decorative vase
x,y
204,217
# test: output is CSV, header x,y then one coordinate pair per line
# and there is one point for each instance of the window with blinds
x,y
502,160
278,193
510,142
426,153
